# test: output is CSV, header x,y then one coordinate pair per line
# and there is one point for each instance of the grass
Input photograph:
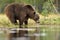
x,y
4,21
53,19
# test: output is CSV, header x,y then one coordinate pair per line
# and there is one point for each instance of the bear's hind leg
x,y
13,20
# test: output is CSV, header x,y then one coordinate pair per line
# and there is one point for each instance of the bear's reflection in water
x,y
19,34
21,38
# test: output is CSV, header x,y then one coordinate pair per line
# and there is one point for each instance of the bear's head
x,y
31,13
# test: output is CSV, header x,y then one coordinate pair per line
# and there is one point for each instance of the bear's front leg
x,y
26,22
20,23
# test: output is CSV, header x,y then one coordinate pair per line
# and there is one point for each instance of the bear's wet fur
x,y
20,12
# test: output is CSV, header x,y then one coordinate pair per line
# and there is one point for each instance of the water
x,y
44,32
21,38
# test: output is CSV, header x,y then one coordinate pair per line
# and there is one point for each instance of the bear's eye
x,y
34,13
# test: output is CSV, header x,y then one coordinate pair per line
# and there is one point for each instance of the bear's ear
x,y
29,7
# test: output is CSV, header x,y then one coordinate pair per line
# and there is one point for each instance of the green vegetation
x,y
42,6
53,19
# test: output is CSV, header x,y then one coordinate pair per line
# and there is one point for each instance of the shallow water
x,y
41,32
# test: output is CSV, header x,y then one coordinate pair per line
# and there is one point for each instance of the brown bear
x,y
20,12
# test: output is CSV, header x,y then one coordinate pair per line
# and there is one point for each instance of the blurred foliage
x,y
48,7
42,6
3,3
